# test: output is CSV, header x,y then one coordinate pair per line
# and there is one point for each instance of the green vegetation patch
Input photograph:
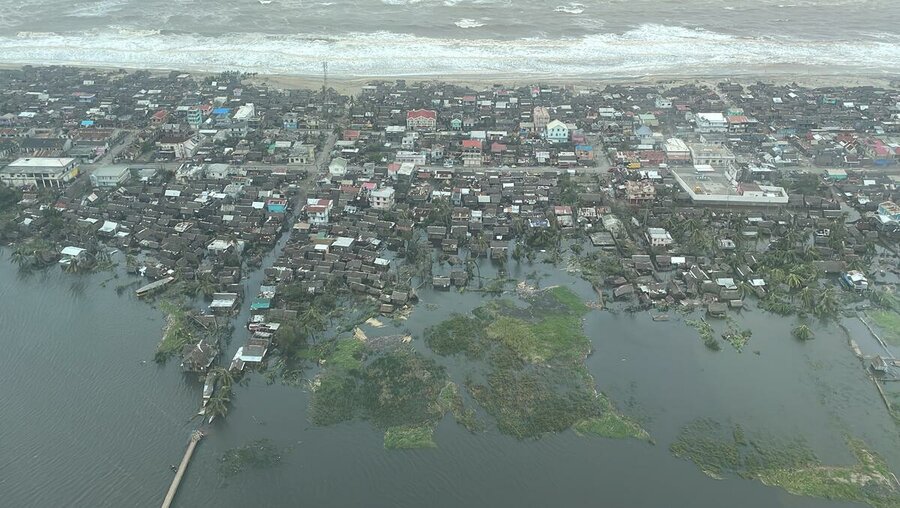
x,y
179,331
787,464
451,401
611,424
399,391
259,454
534,379
398,438
459,334
705,330
889,323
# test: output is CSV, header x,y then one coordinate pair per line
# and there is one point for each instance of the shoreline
x,y
353,83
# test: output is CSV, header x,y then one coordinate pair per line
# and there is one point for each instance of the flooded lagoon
x,y
108,426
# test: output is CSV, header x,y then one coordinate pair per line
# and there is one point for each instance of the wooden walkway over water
x,y
196,436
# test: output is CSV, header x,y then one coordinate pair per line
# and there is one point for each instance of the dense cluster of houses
x,y
462,174
81,114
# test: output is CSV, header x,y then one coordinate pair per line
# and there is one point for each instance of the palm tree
x,y
807,297
204,285
223,376
776,276
20,256
794,280
827,303
802,332
73,266
218,403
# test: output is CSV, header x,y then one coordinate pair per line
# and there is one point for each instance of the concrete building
x,y
318,210
39,172
195,118
640,191
421,119
337,167
658,237
717,156
708,185
711,123
677,151
382,199
110,176
557,132
541,118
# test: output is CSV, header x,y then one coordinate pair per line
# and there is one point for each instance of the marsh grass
x,y
789,464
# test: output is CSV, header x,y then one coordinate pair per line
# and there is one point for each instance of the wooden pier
x,y
196,436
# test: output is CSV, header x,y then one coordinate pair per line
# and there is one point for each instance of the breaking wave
x,y
648,49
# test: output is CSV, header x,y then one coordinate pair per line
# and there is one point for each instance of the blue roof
x,y
221,111
584,147
87,123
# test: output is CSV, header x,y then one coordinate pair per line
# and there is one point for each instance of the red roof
x,y
471,143
422,113
498,147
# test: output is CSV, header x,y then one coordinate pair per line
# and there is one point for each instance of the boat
x,y
208,387
265,2
660,317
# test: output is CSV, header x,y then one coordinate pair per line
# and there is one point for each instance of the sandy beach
x,y
352,84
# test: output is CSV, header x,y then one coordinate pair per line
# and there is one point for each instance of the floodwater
x,y
90,420
444,38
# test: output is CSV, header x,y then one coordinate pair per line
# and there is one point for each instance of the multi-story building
x,y
557,132
39,172
382,199
421,119
640,191
541,118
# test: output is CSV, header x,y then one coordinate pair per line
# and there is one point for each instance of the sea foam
x,y
648,49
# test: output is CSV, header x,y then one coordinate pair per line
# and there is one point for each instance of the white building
x,y
417,158
557,132
39,172
318,210
382,199
245,112
337,167
709,123
658,237
717,156
109,176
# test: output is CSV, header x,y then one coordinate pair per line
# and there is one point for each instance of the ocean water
x,y
442,38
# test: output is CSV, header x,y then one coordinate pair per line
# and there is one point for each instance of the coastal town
x,y
705,199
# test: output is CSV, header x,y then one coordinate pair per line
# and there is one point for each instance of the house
x,y
639,191
382,199
318,210
471,152
540,119
178,147
557,132
110,176
658,237
421,119
338,167
70,253
198,357
39,172
709,123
